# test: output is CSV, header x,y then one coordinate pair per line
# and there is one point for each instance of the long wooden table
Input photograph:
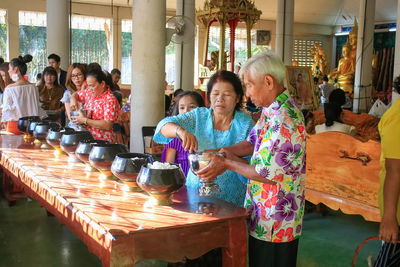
x,y
120,227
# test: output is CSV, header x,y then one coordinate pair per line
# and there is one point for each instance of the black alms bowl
x,y
84,148
161,183
70,141
126,167
31,125
42,128
23,123
53,137
102,155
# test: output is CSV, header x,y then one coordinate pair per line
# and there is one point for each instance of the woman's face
x,y
186,104
77,77
93,84
12,70
49,78
223,97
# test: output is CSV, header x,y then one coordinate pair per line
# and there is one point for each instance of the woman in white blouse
x,y
21,98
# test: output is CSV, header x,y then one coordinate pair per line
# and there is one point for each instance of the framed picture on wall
x,y
300,85
263,37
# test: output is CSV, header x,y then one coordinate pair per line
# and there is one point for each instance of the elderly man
x,y
277,143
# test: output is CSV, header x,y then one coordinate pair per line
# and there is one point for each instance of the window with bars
x,y
3,34
301,51
126,55
91,40
32,40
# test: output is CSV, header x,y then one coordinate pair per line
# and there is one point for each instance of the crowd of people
x,y
261,161
83,97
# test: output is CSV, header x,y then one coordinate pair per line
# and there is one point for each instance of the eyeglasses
x,y
76,76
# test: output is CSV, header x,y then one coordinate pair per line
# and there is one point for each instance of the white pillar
x,y
365,46
58,29
148,67
184,53
396,70
284,30
13,33
117,42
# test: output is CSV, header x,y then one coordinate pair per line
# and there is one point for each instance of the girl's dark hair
x,y
396,84
20,63
49,71
337,97
196,96
230,77
332,113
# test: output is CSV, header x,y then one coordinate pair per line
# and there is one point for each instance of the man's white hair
x,y
262,64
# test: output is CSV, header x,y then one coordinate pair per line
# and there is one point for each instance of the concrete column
x,y
148,67
58,30
284,30
184,56
13,33
365,46
221,59
396,70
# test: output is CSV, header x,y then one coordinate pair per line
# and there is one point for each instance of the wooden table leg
x,y
11,191
235,254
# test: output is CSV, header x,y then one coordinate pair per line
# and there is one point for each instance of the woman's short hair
x,y
20,63
4,68
265,63
49,71
69,84
229,77
196,96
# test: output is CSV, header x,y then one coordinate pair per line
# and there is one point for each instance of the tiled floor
x,y
28,237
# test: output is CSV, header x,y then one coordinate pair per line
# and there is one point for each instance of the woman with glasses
x,y
76,80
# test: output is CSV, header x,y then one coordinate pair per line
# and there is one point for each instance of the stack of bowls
x,y
126,167
70,141
102,156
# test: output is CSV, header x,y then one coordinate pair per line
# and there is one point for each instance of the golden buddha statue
x,y
353,41
344,74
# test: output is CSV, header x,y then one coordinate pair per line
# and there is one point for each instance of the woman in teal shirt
x,y
219,126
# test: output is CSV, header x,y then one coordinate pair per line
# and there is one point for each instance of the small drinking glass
x,y
199,161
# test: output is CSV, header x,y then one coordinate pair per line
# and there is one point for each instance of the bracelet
x,y
176,132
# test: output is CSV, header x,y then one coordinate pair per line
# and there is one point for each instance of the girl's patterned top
x,y
279,141
199,122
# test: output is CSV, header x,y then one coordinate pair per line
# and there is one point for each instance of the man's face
x,y
54,63
115,78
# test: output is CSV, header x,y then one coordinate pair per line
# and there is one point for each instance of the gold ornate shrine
x,y
344,73
229,12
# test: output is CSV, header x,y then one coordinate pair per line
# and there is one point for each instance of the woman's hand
x,y
389,229
79,119
214,168
189,141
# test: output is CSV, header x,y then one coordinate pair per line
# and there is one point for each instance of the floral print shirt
x,y
102,107
279,139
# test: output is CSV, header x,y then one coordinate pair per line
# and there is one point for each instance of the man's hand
x,y
214,168
389,229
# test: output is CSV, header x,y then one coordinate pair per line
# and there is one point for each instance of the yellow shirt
x,y
389,130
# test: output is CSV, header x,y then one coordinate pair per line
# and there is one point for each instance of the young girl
x,y
173,152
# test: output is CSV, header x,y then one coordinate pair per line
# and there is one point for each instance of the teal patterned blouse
x,y
199,122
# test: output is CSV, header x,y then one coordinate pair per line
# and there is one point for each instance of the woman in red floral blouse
x,y
100,104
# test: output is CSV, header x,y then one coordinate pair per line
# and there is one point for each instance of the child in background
x,y
173,152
